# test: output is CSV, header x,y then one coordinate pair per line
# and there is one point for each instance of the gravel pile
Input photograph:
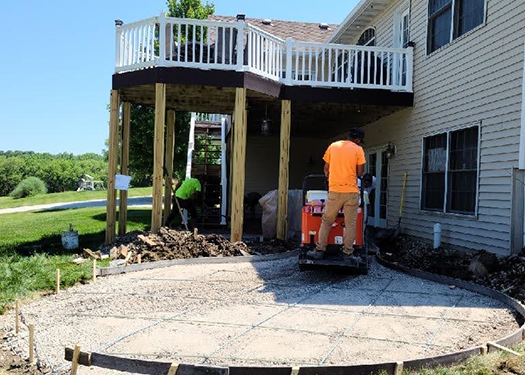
x,y
506,274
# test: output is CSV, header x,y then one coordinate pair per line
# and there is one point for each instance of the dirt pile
x,y
168,244
506,274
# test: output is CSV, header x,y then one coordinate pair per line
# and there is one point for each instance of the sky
x,y
57,58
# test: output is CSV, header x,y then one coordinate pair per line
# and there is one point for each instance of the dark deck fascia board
x,y
250,81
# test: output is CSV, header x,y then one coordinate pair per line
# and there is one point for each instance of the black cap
x,y
355,133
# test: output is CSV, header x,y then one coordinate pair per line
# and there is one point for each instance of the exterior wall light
x,y
390,150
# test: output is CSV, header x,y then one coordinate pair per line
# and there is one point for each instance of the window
x,y
449,19
450,171
367,38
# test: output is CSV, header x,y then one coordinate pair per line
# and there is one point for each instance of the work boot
x,y
351,256
315,254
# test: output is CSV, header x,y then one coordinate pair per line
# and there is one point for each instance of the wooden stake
x,y
195,232
398,369
503,348
284,161
57,281
173,369
112,166
168,159
31,343
94,270
76,355
124,167
158,156
239,163
17,317
484,350
295,370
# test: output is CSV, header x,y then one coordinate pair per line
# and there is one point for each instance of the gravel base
x,y
265,313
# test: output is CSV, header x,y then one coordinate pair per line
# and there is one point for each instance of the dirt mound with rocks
x,y
168,244
506,274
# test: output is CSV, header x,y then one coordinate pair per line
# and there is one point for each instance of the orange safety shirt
x,y
343,158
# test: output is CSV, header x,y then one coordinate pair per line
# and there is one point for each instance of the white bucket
x,y
70,239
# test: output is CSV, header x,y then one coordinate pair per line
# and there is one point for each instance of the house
x,y
436,84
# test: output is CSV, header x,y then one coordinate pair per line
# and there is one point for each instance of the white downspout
x,y
224,179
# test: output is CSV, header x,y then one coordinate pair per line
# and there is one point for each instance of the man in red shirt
x,y
344,163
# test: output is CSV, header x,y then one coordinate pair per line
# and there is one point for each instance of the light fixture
x,y
266,124
390,150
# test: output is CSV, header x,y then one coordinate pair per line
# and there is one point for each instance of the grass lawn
x,y
31,250
68,196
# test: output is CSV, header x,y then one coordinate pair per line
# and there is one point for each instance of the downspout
x,y
521,157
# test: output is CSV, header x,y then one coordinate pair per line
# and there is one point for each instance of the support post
x,y
124,167
112,166
168,159
239,161
284,161
158,156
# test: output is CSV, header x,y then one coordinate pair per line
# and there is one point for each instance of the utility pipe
x,y
437,235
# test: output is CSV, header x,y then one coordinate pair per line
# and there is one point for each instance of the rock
x,y
123,252
113,252
489,260
117,263
91,254
79,260
147,240
244,253
477,268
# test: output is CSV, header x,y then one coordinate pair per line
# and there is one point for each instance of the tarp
x,y
269,216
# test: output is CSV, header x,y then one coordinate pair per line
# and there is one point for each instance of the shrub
x,y
28,187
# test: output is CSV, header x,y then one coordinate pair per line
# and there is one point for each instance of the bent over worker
x,y
344,163
186,195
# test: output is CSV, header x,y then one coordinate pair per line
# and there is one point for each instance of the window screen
x,y
434,169
469,15
463,171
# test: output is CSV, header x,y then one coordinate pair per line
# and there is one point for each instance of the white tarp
x,y
269,216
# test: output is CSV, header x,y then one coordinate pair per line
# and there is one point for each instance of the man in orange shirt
x,y
344,163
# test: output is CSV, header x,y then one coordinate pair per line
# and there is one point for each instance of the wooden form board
x,y
239,161
284,162
168,159
124,166
158,156
112,166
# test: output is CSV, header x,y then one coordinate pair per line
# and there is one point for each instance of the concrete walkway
x,y
265,313
135,202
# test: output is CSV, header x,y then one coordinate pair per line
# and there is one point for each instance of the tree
x,y
142,117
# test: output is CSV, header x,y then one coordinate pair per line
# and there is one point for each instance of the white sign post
x,y
122,182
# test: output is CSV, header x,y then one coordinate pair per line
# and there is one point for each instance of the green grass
x,y
68,196
491,364
31,250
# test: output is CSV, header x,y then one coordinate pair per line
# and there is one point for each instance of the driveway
x,y
135,202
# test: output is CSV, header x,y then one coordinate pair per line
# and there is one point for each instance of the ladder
x,y
207,159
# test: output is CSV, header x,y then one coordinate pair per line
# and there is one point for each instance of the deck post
x,y
284,161
239,161
124,167
158,156
112,166
168,159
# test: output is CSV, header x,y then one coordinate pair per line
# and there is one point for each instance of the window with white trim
x,y
450,19
367,38
450,171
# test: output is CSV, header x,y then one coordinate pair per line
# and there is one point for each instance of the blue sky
x,y
57,58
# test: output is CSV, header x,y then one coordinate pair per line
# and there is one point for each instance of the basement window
x,y
450,19
450,172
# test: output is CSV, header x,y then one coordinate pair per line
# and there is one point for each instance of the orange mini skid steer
x,y
314,202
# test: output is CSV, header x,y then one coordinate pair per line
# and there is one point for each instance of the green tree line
x,y
60,172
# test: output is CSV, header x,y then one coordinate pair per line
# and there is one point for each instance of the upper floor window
x,y
449,19
368,38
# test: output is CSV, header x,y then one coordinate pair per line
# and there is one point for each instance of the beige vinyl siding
x,y
262,161
476,79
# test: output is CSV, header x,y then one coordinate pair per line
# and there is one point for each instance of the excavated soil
x,y
505,274
168,244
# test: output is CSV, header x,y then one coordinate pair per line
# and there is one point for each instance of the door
x,y
401,38
377,166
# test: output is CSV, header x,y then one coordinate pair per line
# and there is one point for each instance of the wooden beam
x,y
284,164
124,167
239,161
168,159
158,156
112,166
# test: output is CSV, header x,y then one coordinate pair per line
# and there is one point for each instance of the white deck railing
x,y
204,44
